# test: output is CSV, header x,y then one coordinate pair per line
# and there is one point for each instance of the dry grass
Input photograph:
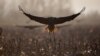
x,y
69,41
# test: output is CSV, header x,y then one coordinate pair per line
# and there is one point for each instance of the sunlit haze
x,y
10,14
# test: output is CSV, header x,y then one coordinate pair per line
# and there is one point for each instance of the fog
x,y
81,38
10,14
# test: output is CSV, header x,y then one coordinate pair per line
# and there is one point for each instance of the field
x,y
67,41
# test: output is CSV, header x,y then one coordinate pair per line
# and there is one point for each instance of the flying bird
x,y
51,21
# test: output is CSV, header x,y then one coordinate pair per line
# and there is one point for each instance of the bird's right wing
x,y
35,18
67,18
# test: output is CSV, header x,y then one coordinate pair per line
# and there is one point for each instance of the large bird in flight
x,y
51,21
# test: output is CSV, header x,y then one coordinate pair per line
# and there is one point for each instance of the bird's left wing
x,y
68,18
35,18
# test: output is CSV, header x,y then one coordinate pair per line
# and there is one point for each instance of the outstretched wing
x,y
68,18
35,18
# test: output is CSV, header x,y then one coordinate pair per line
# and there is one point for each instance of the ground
x,y
67,41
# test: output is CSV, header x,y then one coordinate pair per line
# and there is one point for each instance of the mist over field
x,y
80,37
10,14
68,41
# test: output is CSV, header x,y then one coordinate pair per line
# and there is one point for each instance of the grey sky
x,y
91,5
10,14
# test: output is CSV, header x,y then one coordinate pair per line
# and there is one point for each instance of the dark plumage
x,y
51,21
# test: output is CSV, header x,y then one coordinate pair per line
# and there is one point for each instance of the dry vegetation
x,y
69,41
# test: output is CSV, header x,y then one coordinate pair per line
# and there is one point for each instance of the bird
x,y
51,21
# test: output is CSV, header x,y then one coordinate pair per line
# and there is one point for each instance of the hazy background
x,y
10,14
82,38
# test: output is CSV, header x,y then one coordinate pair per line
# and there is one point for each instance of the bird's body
x,y
52,21
50,28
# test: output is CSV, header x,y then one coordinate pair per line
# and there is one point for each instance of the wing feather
x,y
35,18
68,18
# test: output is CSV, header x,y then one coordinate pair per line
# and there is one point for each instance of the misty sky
x,y
10,14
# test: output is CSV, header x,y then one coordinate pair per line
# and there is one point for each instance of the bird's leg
x,y
50,37
54,41
54,37
50,45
